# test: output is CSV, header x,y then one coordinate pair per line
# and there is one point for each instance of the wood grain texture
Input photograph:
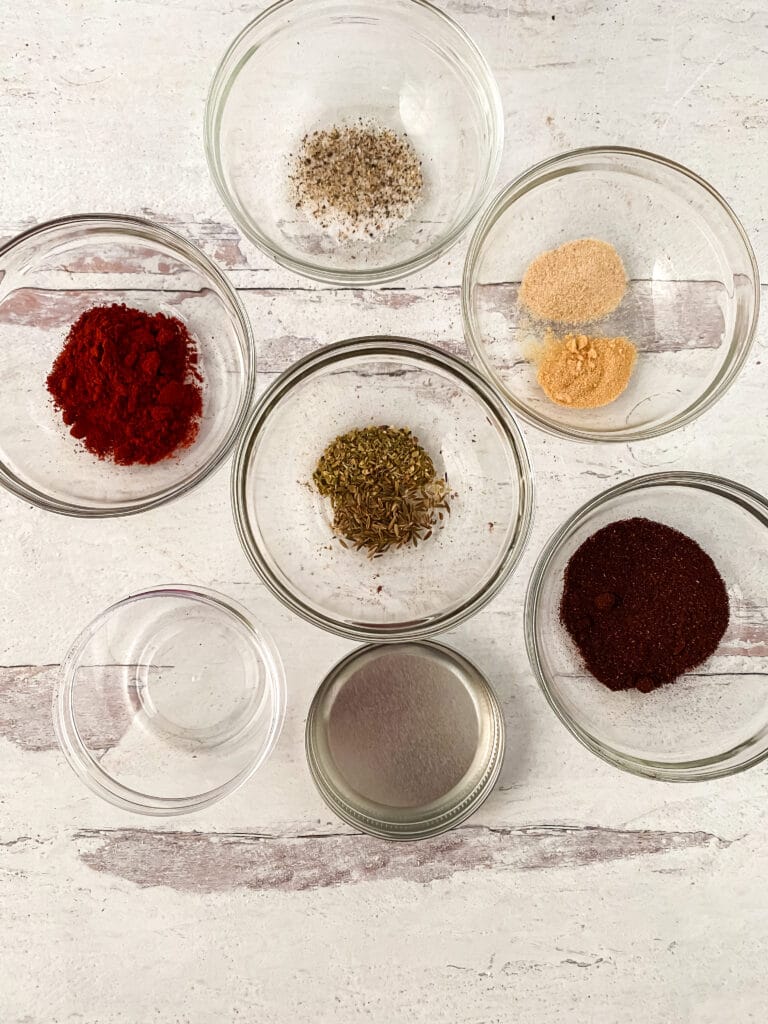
x,y
664,318
188,861
577,893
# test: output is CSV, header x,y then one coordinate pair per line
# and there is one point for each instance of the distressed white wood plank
x,y
577,893
640,73
542,944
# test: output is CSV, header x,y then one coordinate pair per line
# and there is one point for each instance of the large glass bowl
x,y
169,701
712,721
304,65
285,525
48,277
690,308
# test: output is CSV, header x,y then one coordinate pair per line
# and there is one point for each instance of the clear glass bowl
x,y
285,525
712,721
308,64
691,306
50,275
169,701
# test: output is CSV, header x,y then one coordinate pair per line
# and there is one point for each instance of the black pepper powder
x,y
643,604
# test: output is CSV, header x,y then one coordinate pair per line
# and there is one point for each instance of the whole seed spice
x,y
643,603
584,372
576,283
383,489
359,180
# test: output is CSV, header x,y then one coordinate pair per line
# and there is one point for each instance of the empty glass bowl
x,y
48,277
712,721
304,65
691,306
285,525
169,701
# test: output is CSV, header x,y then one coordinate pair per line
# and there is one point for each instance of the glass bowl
x,y
710,722
304,65
690,308
49,276
285,525
169,701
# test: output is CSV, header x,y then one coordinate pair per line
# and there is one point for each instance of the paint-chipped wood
x,y
577,893
192,862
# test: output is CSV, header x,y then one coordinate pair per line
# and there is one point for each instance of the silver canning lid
x,y
405,741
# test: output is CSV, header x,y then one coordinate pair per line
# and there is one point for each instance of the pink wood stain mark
x,y
227,253
56,309
26,692
25,706
138,261
658,316
219,241
200,862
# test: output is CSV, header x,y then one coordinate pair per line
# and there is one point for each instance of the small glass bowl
x,y
714,720
169,701
304,65
691,306
49,276
285,526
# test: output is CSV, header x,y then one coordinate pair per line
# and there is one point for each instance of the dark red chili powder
x,y
128,385
643,603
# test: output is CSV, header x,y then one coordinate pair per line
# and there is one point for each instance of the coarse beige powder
x,y
576,283
583,372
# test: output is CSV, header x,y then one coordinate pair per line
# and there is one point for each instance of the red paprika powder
x,y
128,384
643,603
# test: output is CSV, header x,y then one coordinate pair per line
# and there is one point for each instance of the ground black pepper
x,y
360,180
643,603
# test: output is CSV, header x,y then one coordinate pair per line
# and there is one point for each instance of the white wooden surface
x,y
578,893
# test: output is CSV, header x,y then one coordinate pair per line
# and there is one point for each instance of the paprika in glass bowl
x,y
127,365
710,721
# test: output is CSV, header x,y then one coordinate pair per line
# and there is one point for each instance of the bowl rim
x,y
216,100
468,376
547,170
88,769
139,227
429,824
698,769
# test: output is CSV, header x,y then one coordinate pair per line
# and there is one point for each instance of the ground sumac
x,y
643,603
127,384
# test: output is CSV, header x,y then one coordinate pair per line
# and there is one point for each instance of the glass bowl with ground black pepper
x,y
127,365
646,626
382,490
353,141
610,294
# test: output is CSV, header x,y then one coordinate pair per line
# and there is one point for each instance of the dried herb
x,y
383,488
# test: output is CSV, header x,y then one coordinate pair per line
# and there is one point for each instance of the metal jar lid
x,y
405,741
